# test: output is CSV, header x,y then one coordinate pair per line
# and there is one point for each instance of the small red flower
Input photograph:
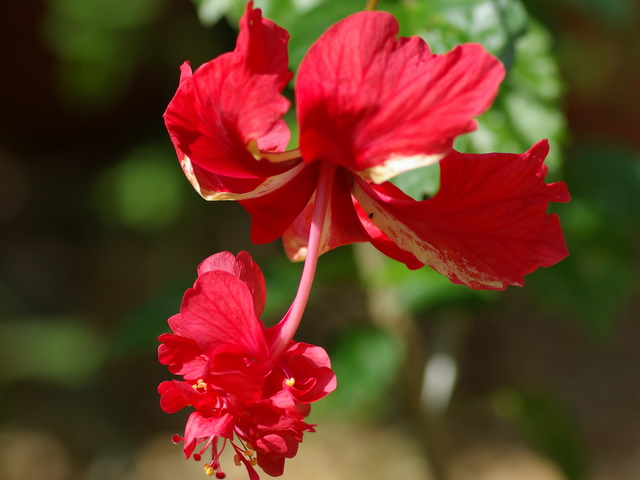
x,y
369,106
250,387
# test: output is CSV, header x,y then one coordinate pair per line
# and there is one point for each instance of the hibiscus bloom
x,y
369,106
250,387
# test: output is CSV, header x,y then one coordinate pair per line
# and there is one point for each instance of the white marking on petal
x,y
398,164
407,239
270,184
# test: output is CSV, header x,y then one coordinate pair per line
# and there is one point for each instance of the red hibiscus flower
x,y
369,106
250,387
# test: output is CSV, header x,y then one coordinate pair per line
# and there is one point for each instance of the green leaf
x,y
527,108
50,349
600,278
366,362
144,192
447,23
547,425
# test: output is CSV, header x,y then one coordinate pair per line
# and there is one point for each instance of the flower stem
x,y
289,324
371,5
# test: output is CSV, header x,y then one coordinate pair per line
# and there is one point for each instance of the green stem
x,y
371,5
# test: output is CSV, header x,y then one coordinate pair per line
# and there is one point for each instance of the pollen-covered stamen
x,y
200,385
245,455
273,157
290,382
213,468
210,471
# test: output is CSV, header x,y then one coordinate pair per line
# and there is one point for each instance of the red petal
x,y
230,373
233,100
383,243
274,209
219,311
172,398
205,427
242,267
381,106
273,465
273,202
486,227
182,355
311,369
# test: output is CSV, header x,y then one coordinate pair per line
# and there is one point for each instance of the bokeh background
x,y
101,235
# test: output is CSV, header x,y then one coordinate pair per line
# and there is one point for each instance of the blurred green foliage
x,y
144,191
49,350
98,44
548,425
367,363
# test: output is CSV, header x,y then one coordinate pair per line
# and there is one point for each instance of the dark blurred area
x,y
101,235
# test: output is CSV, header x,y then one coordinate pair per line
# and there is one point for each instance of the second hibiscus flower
x,y
251,388
369,106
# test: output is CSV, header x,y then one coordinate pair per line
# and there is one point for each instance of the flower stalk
x,y
289,324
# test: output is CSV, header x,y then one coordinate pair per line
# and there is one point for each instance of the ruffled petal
x,y
230,374
234,100
486,227
182,355
311,371
199,427
380,106
242,267
219,312
172,397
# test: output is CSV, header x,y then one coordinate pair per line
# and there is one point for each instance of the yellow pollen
x,y
250,455
209,470
290,381
200,384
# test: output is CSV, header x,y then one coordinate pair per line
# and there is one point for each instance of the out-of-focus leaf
x,y
527,108
139,329
547,425
110,13
421,183
366,362
600,277
446,23
282,278
425,289
97,43
50,350
305,20
211,11
144,191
